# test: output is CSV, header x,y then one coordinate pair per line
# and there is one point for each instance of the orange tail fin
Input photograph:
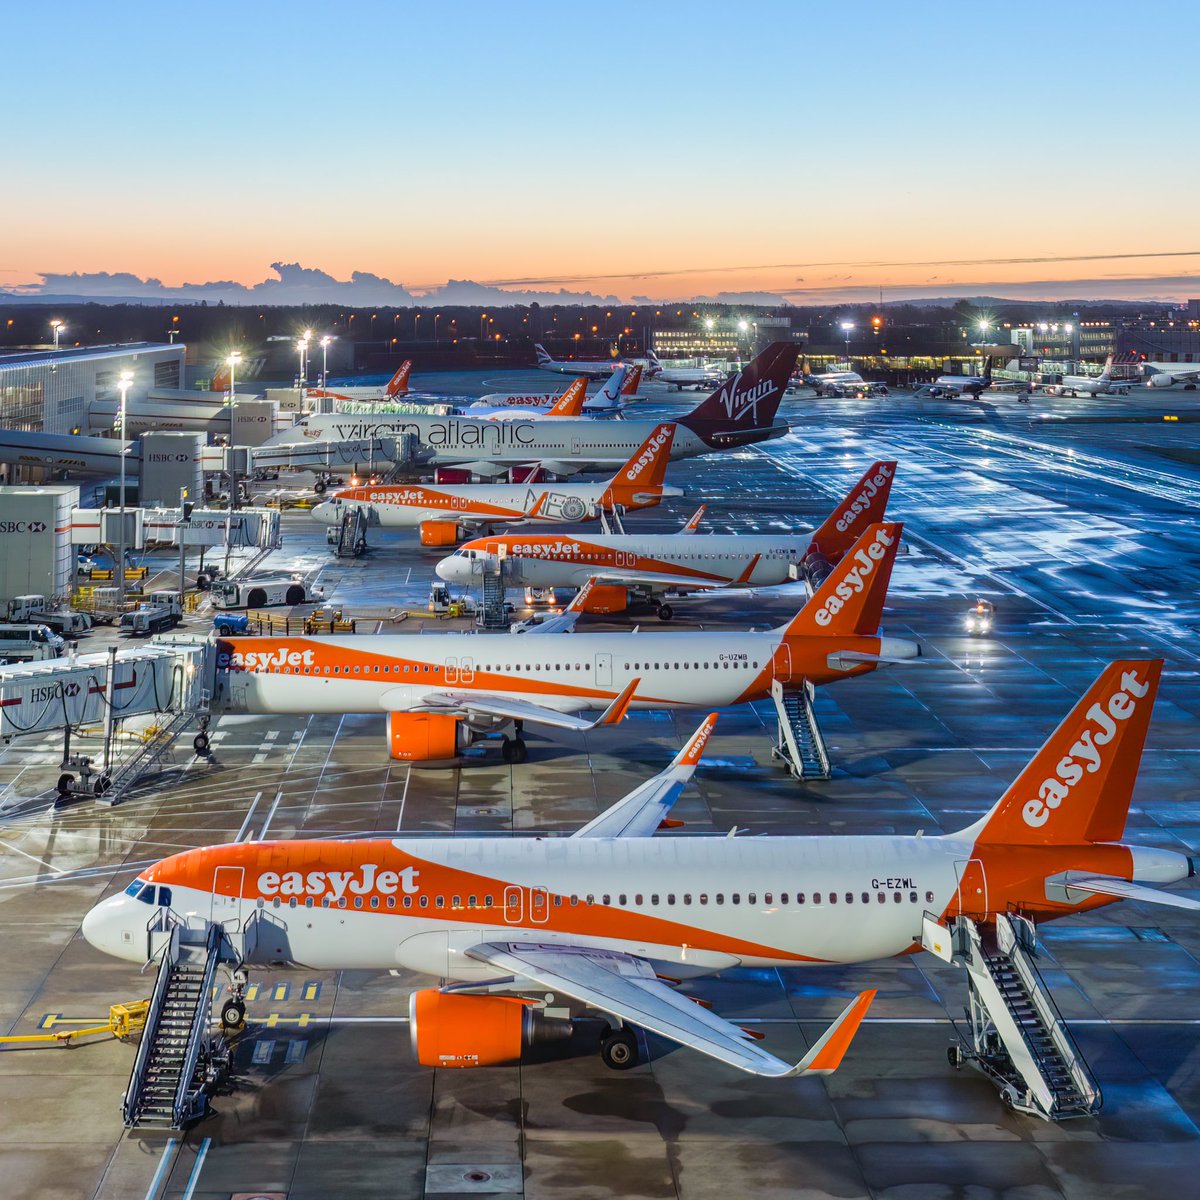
x,y
630,386
643,475
850,601
220,380
570,403
865,502
1077,787
399,382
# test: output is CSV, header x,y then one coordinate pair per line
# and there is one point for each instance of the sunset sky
x,y
665,150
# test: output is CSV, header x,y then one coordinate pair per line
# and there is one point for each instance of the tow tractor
x,y
443,604
981,618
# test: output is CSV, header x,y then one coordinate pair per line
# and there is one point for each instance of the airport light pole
x,y
57,327
436,318
232,362
847,330
325,361
123,383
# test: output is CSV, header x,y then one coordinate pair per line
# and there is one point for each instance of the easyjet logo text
x,y
1086,755
336,884
856,577
654,443
253,660
862,502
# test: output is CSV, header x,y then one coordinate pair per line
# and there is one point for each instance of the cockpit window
x,y
135,887
164,897
139,889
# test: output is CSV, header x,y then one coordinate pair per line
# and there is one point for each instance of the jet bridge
x,y
171,678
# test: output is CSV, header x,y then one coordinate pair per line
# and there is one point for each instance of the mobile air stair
x,y
798,740
176,1063
1016,1034
348,538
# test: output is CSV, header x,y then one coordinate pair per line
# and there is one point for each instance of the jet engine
x,y
453,1030
440,533
1160,381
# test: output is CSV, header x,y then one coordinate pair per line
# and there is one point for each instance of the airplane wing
x,y
1106,885
566,620
486,704
641,812
627,987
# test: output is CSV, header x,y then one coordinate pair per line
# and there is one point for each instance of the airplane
x,y
681,377
740,412
594,368
442,512
626,566
621,385
396,386
1165,375
844,384
1092,385
614,919
439,693
960,385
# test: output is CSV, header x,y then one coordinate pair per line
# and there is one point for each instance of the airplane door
x,y
971,899
603,670
781,661
576,447
539,905
514,905
226,905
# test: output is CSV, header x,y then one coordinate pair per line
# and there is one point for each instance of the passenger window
x,y
357,901
881,897
849,897
670,897
374,901
470,901
487,902
703,897
896,897
799,897
816,897
606,899
408,902
750,899
456,902
654,899
391,902
866,897
720,897
687,897
440,902
423,902
912,897
783,897
767,898
928,897
638,899
735,899
833,897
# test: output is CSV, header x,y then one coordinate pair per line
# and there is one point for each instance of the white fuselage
x,y
698,903
697,560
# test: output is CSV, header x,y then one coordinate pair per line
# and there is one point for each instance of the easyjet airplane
x,y
442,512
628,566
608,400
396,386
741,412
613,918
439,692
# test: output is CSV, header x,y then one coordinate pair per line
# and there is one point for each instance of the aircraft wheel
x,y
665,612
233,1014
64,785
954,1056
319,487
619,1050
515,750
200,743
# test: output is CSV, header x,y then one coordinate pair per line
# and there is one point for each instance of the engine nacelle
x,y
440,533
1160,381
424,737
454,475
452,1030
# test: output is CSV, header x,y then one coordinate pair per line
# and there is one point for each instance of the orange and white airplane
x,y
440,692
395,387
613,918
443,511
609,399
568,404
630,566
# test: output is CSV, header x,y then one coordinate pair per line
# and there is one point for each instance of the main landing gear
x,y
514,750
619,1049
233,1010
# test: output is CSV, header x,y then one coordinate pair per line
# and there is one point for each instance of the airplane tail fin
x,y
749,399
851,599
570,403
1106,374
987,369
398,384
542,356
1078,786
655,366
632,380
220,379
865,502
642,476
693,522
609,395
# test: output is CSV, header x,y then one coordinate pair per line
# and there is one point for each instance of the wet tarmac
x,y
1077,518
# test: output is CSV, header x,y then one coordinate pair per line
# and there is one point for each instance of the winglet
x,y
614,714
580,597
826,1056
693,751
693,522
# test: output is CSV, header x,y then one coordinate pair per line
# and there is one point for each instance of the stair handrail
x,y
129,1104
818,740
182,1108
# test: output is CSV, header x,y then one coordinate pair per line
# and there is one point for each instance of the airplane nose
x,y
323,513
106,929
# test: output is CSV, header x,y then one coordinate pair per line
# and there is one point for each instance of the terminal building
x,y
50,391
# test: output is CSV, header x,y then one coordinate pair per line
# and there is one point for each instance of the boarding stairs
x,y
348,538
799,743
173,1071
149,754
494,572
610,519
1017,1035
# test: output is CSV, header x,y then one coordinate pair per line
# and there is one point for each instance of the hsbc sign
x,y
22,526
